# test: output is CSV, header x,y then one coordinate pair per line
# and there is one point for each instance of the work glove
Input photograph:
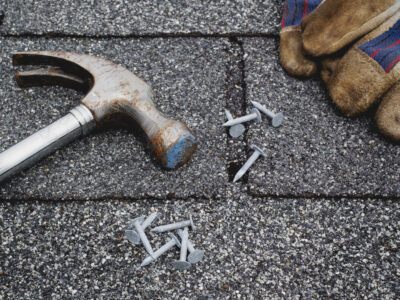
x,y
368,70
292,55
387,116
378,51
337,23
357,78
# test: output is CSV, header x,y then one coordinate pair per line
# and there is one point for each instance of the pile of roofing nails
x,y
236,129
136,235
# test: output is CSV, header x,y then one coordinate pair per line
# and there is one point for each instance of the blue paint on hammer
x,y
176,154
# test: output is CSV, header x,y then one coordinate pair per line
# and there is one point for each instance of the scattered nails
x,y
136,231
276,119
249,162
182,264
254,115
235,130
174,226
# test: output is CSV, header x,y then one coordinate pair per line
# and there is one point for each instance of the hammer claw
x,y
54,59
52,76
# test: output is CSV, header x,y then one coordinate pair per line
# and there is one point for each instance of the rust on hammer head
x,y
174,145
111,89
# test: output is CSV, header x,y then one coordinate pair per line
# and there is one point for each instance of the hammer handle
x,y
79,121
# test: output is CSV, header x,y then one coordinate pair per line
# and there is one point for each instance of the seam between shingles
x,y
201,198
242,71
242,68
322,196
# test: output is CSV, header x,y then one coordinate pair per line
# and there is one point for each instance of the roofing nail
x,y
277,119
174,226
195,255
132,235
172,242
249,162
235,130
254,115
182,264
143,237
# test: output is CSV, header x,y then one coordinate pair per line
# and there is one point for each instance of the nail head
x,y
181,265
236,130
196,256
133,237
277,120
259,150
257,112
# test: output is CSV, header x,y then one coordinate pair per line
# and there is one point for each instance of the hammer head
x,y
111,89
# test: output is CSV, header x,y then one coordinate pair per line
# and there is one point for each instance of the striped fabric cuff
x,y
385,49
296,10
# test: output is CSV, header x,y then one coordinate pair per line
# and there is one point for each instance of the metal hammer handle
x,y
78,122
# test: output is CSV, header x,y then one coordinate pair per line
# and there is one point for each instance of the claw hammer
x,y
111,89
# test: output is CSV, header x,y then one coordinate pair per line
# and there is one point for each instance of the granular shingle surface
x,y
254,248
318,219
149,17
188,77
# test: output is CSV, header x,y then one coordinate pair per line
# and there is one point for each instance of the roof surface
x,y
318,218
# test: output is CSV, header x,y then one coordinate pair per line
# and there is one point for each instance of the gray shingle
x,y
149,17
189,78
254,248
316,151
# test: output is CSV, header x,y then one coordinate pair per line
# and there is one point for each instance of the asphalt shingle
x,y
254,249
189,79
149,17
200,57
316,151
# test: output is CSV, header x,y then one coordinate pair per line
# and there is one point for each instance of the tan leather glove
x,y
368,71
292,55
336,23
356,76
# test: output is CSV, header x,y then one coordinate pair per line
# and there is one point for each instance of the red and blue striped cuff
x,y
296,10
385,49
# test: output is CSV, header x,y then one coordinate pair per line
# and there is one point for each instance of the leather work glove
x,y
376,58
368,70
358,77
291,51
337,23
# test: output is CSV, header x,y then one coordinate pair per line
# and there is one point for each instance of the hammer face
x,y
174,145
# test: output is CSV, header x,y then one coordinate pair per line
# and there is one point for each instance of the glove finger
x,y
291,51
336,23
367,70
387,116
292,55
